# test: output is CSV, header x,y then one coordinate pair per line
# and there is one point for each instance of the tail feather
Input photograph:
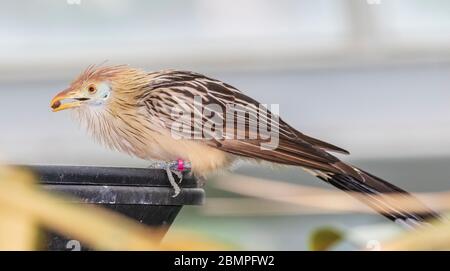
x,y
368,185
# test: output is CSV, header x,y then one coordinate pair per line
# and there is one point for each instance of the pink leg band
x,y
180,165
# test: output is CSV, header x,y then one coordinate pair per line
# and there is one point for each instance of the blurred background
x,y
371,76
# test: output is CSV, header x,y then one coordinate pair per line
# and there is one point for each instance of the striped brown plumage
x,y
138,116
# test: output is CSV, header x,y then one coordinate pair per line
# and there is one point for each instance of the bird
x,y
141,113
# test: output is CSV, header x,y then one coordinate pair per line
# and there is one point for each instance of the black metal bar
x,y
110,194
107,176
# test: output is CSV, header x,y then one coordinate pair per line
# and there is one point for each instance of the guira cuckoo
x,y
132,111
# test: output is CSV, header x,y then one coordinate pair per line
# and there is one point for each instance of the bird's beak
x,y
66,99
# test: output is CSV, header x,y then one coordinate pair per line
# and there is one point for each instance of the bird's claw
x,y
175,167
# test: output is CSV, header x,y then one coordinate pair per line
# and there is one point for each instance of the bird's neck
x,y
109,128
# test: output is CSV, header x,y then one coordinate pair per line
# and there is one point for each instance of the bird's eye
x,y
92,89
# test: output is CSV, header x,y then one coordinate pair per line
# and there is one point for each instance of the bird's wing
x,y
172,92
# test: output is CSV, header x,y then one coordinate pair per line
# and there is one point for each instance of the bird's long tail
x,y
374,192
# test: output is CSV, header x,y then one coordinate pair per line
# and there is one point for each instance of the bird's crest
x,y
98,73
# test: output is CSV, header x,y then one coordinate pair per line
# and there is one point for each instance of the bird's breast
x,y
143,140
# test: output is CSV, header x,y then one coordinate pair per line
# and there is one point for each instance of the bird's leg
x,y
172,181
174,167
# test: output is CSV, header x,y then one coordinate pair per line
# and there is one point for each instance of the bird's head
x,y
91,93
92,88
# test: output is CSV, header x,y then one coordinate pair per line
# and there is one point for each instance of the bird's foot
x,y
178,165
171,168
